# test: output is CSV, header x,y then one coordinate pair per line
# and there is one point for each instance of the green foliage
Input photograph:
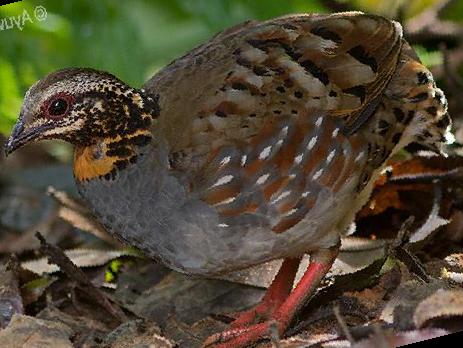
x,y
454,12
10,101
131,39
391,8
113,269
429,58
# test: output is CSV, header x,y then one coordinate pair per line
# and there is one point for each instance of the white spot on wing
x,y
222,225
330,156
346,151
291,212
226,201
312,143
223,180
305,194
262,179
319,121
225,161
284,131
265,153
243,160
317,174
335,133
359,156
281,196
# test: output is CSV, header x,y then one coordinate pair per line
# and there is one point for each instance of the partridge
x,y
261,143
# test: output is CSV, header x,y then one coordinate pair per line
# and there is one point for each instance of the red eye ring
x,y
58,106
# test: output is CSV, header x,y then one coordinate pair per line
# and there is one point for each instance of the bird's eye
x,y
58,106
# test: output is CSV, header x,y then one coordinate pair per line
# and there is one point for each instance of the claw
x,y
240,337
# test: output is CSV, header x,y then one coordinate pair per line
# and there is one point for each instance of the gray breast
x,y
148,207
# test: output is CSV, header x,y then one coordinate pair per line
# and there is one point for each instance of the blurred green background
x,y
133,39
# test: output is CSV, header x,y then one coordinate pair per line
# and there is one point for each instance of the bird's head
x,y
81,106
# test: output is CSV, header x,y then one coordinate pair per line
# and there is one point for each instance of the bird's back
x,y
228,89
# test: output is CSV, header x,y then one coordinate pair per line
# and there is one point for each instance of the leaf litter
x,y
397,280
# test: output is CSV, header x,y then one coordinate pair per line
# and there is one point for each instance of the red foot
x,y
242,334
276,294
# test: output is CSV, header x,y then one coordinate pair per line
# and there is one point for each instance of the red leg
x,y
320,263
273,298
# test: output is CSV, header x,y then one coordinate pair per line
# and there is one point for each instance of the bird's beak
x,y
16,139
20,136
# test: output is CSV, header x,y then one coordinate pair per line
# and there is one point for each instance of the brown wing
x,y
265,115
270,118
247,76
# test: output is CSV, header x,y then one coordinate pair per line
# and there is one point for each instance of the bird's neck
x,y
106,156
115,130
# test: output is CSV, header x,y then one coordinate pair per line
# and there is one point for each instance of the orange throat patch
x,y
92,162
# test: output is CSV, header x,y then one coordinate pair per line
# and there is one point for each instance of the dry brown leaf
x,y
320,340
386,195
403,302
441,304
24,331
454,230
388,187
137,333
390,339
80,325
433,222
383,199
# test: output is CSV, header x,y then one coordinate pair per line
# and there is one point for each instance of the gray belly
x,y
154,213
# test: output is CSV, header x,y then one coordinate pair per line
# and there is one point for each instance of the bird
x,y
259,144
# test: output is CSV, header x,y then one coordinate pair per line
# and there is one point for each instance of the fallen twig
x,y
399,250
58,257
